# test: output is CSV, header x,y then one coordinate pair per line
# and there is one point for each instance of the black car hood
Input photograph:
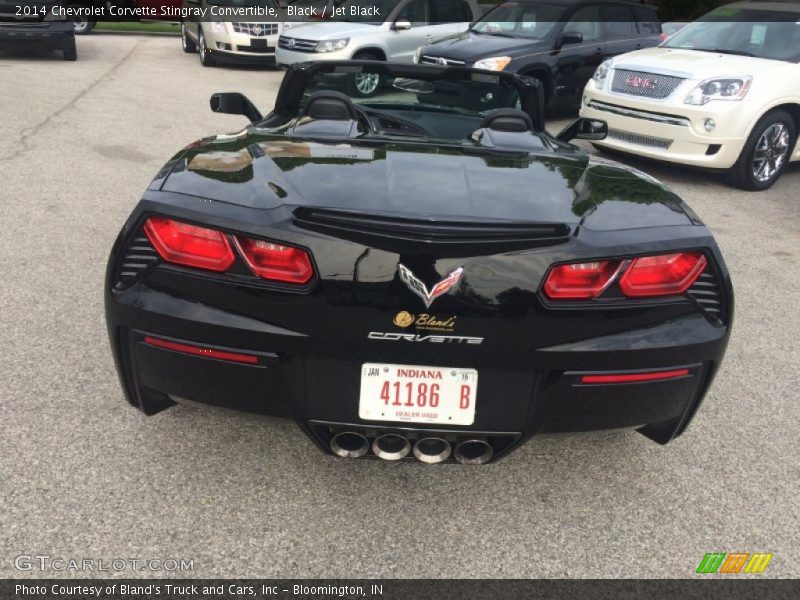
x,y
469,46
456,183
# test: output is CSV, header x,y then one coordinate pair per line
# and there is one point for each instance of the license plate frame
x,y
381,400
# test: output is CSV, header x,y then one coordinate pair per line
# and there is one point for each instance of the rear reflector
x,y
190,245
276,262
635,377
580,281
201,351
662,275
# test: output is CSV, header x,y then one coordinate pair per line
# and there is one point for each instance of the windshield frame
x,y
292,90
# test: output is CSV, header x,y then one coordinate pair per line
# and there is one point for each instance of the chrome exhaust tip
x,y
473,452
432,450
391,446
349,444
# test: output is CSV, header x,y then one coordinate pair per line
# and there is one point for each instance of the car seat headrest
x,y
330,106
508,119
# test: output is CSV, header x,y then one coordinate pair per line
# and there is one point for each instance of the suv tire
x,y
766,152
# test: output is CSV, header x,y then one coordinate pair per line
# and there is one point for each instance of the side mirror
x,y
572,37
401,25
234,103
584,129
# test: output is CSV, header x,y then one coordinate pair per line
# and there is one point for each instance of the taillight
x,y
276,262
190,245
662,275
643,277
663,37
580,281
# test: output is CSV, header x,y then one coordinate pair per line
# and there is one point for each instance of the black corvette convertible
x,y
424,273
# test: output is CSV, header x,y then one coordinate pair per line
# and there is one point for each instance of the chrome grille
x,y
649,85
256,29
297,44
441,61
639,139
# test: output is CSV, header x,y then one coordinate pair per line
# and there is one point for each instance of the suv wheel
x,y
80,23
205,56
186,42
365,85
765,153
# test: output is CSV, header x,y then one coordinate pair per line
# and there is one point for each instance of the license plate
x,y
258,43
416,394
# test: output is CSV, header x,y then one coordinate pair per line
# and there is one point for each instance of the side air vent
x,y
707,293
398,234
137,258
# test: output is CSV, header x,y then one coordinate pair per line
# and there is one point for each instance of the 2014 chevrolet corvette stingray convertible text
x,y
422,273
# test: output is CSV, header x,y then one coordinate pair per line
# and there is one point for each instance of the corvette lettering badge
x,y
416,286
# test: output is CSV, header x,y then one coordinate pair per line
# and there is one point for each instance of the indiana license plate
x,y
416,394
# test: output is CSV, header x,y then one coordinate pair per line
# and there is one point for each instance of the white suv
x,y
722,93
387,30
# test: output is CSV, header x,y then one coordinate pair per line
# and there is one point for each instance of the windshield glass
x,y
520,19
365,11
760,33
447,108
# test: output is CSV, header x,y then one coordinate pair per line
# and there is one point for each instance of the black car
x,y
422,272
559,42
36,25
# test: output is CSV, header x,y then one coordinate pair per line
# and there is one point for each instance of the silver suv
x,y
386,30
231,42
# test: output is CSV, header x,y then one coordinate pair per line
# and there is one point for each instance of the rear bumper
x,y
45,35
291,379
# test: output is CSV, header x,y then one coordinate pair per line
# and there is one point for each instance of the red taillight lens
x,y
663,37
190,245
580,281
276,262
662,275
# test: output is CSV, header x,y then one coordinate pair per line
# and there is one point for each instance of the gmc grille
x,y
639,140
256,29
649,85
297,44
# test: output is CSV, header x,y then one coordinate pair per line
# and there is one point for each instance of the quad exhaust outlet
x,y
431,449
391,446
349,444
473,452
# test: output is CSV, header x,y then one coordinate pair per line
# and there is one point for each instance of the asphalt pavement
x,y
83,475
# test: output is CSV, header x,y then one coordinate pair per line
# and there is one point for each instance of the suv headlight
x,y
719,88
218,27
602,72
332,45
494,63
